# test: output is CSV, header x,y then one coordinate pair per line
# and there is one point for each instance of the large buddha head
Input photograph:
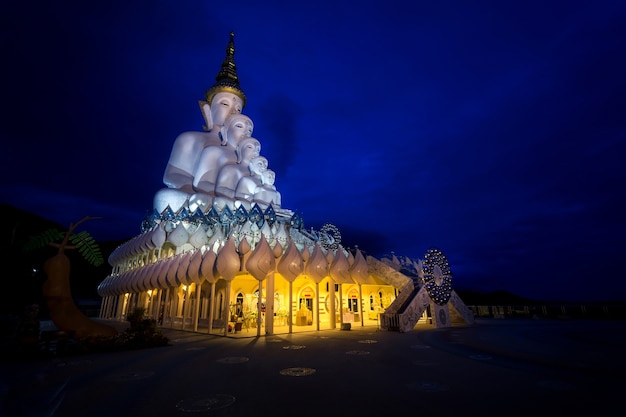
x,y
268,177
224,104
226,94
235,128
258,165
247,149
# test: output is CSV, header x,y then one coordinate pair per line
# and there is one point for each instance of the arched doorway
x,y
353,307
238,308
304,312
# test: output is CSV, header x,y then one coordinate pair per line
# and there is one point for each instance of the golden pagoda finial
x,y
227,80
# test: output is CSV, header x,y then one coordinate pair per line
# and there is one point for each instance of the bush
x,y
143,333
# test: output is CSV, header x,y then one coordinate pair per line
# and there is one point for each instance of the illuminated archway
x,y
306,304
353,304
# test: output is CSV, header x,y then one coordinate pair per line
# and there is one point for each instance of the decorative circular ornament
x,y
330,237
428,386
425,363
294,347
200,404
230,360
481,357
420,347
297,371
357,352
130,376
437,276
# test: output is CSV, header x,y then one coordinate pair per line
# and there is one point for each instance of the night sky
x,y
494,131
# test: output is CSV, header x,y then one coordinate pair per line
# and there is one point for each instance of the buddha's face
x,y
239,126
250,148
269,177
258,165
224,104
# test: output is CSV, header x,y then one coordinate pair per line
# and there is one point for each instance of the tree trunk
x,y
63,311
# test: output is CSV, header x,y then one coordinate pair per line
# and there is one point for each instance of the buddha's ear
x,y
223,135
205,107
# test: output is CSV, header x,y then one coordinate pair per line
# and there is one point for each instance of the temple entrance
x,y
376,305
308,303
304,313
352,310
251,316
238,310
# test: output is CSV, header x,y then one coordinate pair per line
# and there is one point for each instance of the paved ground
x,y
496,367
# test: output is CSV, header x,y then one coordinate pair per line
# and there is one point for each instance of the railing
x,y
390,321
408,300
552,311
413,308
404,298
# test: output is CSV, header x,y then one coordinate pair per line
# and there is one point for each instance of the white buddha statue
x,y
188,146
249,183
235,128
225,97
229,175
266,194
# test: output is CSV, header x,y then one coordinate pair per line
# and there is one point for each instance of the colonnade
x,y
231,306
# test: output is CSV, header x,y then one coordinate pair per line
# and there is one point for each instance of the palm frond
x,y
87,247
39,241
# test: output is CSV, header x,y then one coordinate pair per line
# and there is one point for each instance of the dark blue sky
x,y
494,131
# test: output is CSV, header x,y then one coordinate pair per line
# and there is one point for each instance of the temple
x,y
220,255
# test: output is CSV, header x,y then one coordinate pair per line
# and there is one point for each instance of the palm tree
x,y
56,289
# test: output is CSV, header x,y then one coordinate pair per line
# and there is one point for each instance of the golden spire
x,y
227,80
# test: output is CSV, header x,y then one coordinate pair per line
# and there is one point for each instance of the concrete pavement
x,y
496,367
